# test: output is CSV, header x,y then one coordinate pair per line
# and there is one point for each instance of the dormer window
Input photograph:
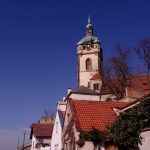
x,y
96,86
88,64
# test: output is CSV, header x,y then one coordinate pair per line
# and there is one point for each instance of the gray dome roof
x,y
89,38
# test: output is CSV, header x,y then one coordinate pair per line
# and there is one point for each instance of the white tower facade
x,y
89,57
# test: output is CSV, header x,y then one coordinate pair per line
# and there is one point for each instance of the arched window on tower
x,y
88,64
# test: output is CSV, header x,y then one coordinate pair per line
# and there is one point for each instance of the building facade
x,y
56,141
89,58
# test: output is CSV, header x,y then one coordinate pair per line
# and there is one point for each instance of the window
x,y
96,87
88,64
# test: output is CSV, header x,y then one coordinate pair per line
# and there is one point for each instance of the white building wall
x,y
35,141
61,105
105,97
99,82
83,55
145,141
90,146
93,57
56,141
45,148
84,97
85,75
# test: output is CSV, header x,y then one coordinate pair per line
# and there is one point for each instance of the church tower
x,y
89,59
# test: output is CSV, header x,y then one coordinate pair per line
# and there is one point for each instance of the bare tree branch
x,y
143,52
117,71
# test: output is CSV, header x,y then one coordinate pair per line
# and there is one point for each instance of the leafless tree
x,y
117,71
143,52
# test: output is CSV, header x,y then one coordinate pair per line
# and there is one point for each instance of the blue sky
x,y
38,59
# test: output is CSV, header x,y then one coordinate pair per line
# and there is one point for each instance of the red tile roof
x,y
140,82
136,82
41,130
135,93
97,76
89,114
135,102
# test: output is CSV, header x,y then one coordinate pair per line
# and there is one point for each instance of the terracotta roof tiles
x,y
97,76
42,130
90,114
140,82
136,82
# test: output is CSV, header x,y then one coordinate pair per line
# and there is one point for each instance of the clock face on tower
x,y
89,47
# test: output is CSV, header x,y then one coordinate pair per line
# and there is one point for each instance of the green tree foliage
x,y
125,131
94,136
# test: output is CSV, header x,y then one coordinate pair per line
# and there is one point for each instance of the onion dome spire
x,y
89,27
89,38
89,20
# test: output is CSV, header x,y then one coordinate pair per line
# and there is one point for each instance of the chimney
x,y
69,90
